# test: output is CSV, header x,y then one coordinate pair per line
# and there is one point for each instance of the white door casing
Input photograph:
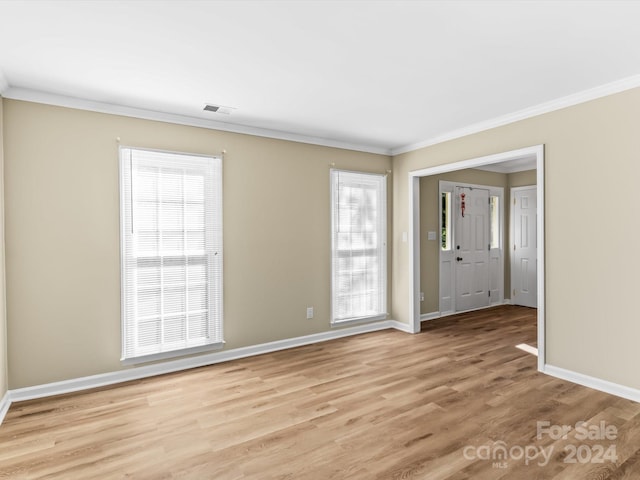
x,y
524,251
472,248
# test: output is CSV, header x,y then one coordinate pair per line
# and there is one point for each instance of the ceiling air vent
x,y
209,107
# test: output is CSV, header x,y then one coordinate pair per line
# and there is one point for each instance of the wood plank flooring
x,y
384,405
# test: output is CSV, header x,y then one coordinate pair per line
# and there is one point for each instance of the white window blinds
x,y
171,238
359,245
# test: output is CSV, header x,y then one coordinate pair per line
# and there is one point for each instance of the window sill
x,y
354,321
172,354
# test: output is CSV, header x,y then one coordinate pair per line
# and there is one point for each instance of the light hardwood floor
x,y
384,405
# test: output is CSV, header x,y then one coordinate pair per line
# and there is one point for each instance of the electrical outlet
x,y
422,296
309,313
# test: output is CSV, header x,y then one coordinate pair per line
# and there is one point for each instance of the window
x,y
494,216
445,233
171,242
359,246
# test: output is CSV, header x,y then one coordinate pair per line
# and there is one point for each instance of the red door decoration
x,y
462,204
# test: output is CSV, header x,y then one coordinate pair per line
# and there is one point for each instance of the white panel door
x,y
524,252
472,248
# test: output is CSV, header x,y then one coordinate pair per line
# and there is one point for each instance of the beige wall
x,y
522,179
62,246
591,278
63,264
4,382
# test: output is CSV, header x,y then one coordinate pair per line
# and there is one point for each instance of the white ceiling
x,y
375,75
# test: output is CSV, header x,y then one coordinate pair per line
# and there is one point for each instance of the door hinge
x,y
489,292
514,292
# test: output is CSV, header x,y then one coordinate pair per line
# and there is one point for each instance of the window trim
x,y
383,250
218,199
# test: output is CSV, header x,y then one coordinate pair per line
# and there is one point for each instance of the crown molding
x,y
83,104
37,96
553,105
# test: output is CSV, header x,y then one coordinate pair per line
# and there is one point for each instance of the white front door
x,y
524,251
472,248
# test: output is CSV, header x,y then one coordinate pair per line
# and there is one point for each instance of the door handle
x,y
458,259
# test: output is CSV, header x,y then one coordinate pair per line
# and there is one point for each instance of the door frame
x,y
449,186
537,152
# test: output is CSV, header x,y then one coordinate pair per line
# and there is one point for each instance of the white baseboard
x,y
403,327
593,382
429,316
5,403
136,373
433,315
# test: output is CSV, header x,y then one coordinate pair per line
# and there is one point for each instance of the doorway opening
x,y
529,158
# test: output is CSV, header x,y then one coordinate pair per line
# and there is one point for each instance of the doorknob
x,y
458,259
